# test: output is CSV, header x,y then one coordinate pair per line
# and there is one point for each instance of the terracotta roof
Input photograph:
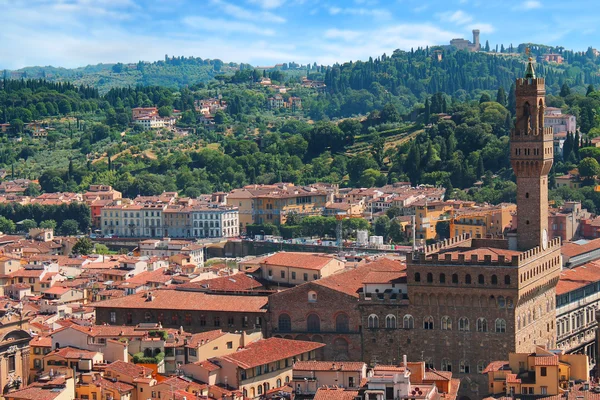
x,y
239,281
71,352
158,275
269,350
314,261
389,368
351,282
545,360
433,375
512,378
111,331
574,249
208,365
481,252
58,290
36,393
196,339
496,366
325,393
41,341
128,369
578,277
385,277
180,300
121,387
328,366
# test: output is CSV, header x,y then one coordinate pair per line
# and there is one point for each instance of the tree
x,y
512,99
17,125
590,90
381,226
83,246
165,111
389,113
501,96
6,225
220,117
565,90
589,167
28,224
484,98
396,232
487,46
442,229
392,212
101,249
32,190
69,227
48,224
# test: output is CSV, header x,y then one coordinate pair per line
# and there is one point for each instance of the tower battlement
x,y
531,82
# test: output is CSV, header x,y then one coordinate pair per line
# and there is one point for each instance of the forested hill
x,y
406,78
173,72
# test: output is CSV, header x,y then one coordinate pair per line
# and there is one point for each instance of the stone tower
x,y
531,156
476,40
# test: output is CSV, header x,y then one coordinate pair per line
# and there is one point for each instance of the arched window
x,y
313,323
518,322
446,365
428,322
312,296
501,302
494,280
463,324
390,321
468,279
446,323
260,391
373,321
500,325
481,279
507,279
464,367
278,383
455,278
417,277
480,367
408,322
529,316
429,277
442,278
481,325
341,323
284,323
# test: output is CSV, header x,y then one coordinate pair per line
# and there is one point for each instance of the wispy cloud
x,y
268,4
246,14
372,12
347,35
458,17
225,26
529,5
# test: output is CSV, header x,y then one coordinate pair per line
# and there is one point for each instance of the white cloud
x,y
342,34
458,17
421,8
373,12
483,27
245,14
268,4
529,5
225,26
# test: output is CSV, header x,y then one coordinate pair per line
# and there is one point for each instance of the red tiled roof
x,y
58,290
236,282
269,350
545,360
328,366
163,299
314,261
121,387
70,352
350,282
35,393
578,277
574,249
385,277
512,378
496,366
129,369
325,393
196,339
208,365
433,375
41,341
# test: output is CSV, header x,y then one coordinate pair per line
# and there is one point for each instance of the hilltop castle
x,y
464,44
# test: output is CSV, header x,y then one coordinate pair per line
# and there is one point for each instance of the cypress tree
x,y
512,100
501,96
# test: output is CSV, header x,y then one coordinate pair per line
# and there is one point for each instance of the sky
x,y
74,33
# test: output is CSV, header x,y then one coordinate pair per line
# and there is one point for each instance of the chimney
x,y
404,361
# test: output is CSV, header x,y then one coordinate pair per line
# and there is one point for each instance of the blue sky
x,y
71,33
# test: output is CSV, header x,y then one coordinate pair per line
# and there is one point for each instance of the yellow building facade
x,y
544,372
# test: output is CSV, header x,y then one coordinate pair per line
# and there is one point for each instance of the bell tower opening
x,y
532,154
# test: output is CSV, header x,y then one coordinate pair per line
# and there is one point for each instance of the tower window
x,y
527,222
527,195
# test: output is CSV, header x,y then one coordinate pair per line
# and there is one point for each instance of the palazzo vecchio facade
x,y
474,300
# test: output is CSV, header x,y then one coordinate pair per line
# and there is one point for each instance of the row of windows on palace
x,y
313,323
206,224
197,215
186,319
576,320
454,278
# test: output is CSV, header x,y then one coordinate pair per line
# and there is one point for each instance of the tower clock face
x,y
544,239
